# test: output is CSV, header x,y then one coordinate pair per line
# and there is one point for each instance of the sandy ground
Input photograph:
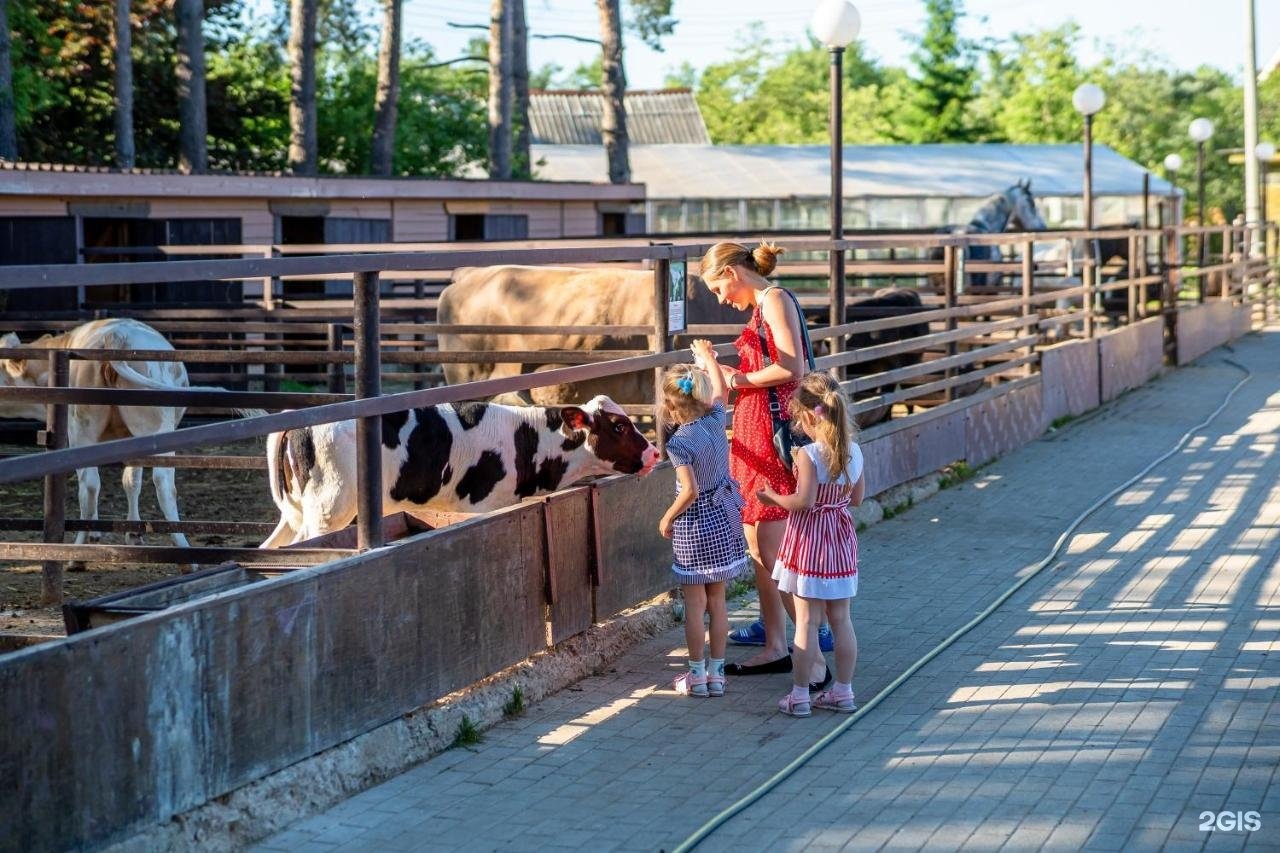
x,y
202,495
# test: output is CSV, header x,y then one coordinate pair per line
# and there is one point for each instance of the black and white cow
x,y
462,457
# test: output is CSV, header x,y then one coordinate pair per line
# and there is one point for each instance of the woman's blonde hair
x,y
686,394
820,396
762,259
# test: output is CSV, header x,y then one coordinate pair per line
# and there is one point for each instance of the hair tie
x,y
685,384
819,410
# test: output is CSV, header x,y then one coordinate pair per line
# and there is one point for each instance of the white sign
x,y
677,287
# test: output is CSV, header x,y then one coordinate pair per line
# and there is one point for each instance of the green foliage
x,y
515,705
468,734
947,79
755,99
441,127
1061,421
651,20
955,474
899,509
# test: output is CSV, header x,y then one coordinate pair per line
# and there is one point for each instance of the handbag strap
x,y
775,405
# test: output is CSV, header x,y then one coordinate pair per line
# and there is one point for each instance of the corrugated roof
x,y
572,117
791,171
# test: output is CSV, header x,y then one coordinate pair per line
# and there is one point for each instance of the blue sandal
x,y
753,635
748,635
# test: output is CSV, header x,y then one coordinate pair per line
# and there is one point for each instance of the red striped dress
x,y
819,554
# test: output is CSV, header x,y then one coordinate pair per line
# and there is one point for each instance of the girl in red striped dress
x,y
818,560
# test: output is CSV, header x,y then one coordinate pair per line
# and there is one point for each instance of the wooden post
x,y
949,298
1169,296
419,341
1143,271
369,429
1133,273
1228,257
1087,279
1028,290
55,485
337,370
660,340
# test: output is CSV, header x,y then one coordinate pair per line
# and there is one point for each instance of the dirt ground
x,y
202,495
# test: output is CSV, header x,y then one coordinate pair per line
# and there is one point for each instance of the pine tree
x,y
947,79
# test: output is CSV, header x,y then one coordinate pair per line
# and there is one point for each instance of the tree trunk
x,y
302,88
499,90
387,99
522,166
614,126
8,112
124,86
193,155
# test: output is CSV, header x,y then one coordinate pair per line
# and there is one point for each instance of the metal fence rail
x,y
972,338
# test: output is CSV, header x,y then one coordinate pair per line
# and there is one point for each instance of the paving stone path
x,y
1128,689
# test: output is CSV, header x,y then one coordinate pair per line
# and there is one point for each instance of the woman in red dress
x,y
736,276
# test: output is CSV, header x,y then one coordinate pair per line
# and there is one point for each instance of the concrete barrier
x,y
1130,356
1069,372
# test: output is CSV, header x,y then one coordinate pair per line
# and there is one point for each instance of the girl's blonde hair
x,y
762,259
686,394
820,396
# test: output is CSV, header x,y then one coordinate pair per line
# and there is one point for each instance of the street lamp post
x,y
1200,130
1088,99
836,24
1172,163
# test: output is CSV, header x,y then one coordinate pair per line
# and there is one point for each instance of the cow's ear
x,y
575,418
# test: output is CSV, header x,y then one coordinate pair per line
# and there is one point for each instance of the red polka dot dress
x,y
752,459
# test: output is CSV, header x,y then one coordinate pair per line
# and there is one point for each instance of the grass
x,y
515,705
1060,422
891,511
955,474
468,734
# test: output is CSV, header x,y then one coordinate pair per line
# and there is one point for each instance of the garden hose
x,y
826,740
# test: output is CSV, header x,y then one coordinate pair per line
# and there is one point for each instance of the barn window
x,y
488,226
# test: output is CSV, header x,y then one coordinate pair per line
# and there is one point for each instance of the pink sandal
x,y
830,700
793,707
715,685
688,684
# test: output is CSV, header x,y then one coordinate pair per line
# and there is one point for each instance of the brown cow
x,y
565,296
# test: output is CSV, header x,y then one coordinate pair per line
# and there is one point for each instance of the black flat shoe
x,y
815,686
782,664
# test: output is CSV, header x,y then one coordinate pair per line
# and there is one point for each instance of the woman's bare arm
x,y
780,314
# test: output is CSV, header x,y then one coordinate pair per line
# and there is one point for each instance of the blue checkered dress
x,y
707,540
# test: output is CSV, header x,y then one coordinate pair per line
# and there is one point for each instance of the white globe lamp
x,y
1200,130
1088,99
1172,163
836,22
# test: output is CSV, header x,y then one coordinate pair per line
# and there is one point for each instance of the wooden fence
x,y
977,337
132,723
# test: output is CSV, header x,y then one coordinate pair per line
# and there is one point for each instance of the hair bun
x,y
766,257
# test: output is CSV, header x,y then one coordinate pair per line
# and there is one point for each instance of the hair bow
x,y
685,384
820,410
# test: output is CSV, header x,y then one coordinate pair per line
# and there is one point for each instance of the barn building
x,y
62,215
693,186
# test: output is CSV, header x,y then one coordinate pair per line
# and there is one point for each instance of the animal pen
x,y
208,682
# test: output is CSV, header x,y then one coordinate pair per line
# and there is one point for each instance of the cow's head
x,y
21,373
610,436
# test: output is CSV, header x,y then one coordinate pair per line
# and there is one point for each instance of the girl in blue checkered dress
x,y
704,522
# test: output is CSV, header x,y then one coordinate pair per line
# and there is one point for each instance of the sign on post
x,y
677,293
